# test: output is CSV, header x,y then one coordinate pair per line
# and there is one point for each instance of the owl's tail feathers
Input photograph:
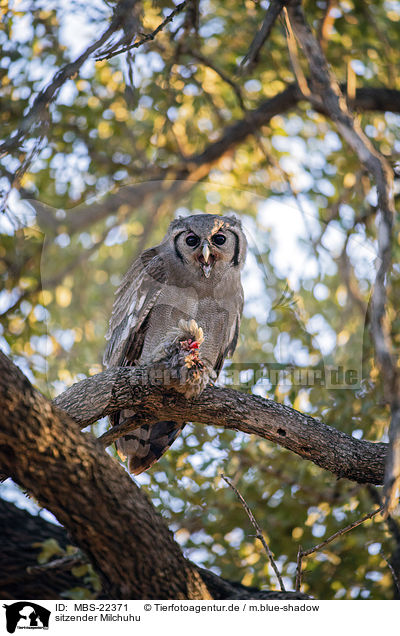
x,y
145,445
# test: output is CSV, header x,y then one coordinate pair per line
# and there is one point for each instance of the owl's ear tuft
x,y
177,224
233,217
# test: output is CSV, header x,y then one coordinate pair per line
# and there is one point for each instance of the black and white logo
x,y
26,615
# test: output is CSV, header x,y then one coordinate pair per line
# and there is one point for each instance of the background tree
x,y
216,107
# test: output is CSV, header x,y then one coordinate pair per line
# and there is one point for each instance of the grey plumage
x,y
193,275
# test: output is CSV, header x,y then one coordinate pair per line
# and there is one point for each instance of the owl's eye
x,y
218,239
192,240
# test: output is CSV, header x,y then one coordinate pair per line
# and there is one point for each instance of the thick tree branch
x,y
176,179
118,388
326,91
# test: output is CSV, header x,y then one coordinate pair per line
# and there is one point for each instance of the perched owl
x,y
189,282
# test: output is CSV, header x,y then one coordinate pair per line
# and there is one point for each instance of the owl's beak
x,y
206,259
206,252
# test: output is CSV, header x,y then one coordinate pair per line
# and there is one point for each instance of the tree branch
x,y
326,91
259,535
271,15
22,578
304,553
106,514
196,167
21,536
147,37
47,96
127,387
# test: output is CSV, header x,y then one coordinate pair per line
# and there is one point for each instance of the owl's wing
x,y
228,347
135,297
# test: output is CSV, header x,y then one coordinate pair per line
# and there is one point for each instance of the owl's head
x,y
207,243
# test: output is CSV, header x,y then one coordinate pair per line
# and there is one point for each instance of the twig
x,y
394,529
396,579
196,166
392,524
39,110
298,569
304,553
258,530
15,178
65,563
130,24
346,270
326,24
224,76
273,11
342,531
147,37
45,98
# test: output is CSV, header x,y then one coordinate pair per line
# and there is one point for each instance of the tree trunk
x,y
107,515
20,531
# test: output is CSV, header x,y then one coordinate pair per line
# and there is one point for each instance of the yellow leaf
x,y
16,326
63,296
80,570
28,349
50,548
89,330
45,297
349,180
297,533
104,129
93,101
247,579
253,558
343,337
65,376
100,276
312,518
121,113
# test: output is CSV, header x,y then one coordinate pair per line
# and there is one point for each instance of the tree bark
x,y
20,531
126,387
107,515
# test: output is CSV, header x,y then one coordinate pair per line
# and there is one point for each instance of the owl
x,y
190,281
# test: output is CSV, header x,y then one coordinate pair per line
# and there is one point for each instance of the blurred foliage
x,y
307,207
50,550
